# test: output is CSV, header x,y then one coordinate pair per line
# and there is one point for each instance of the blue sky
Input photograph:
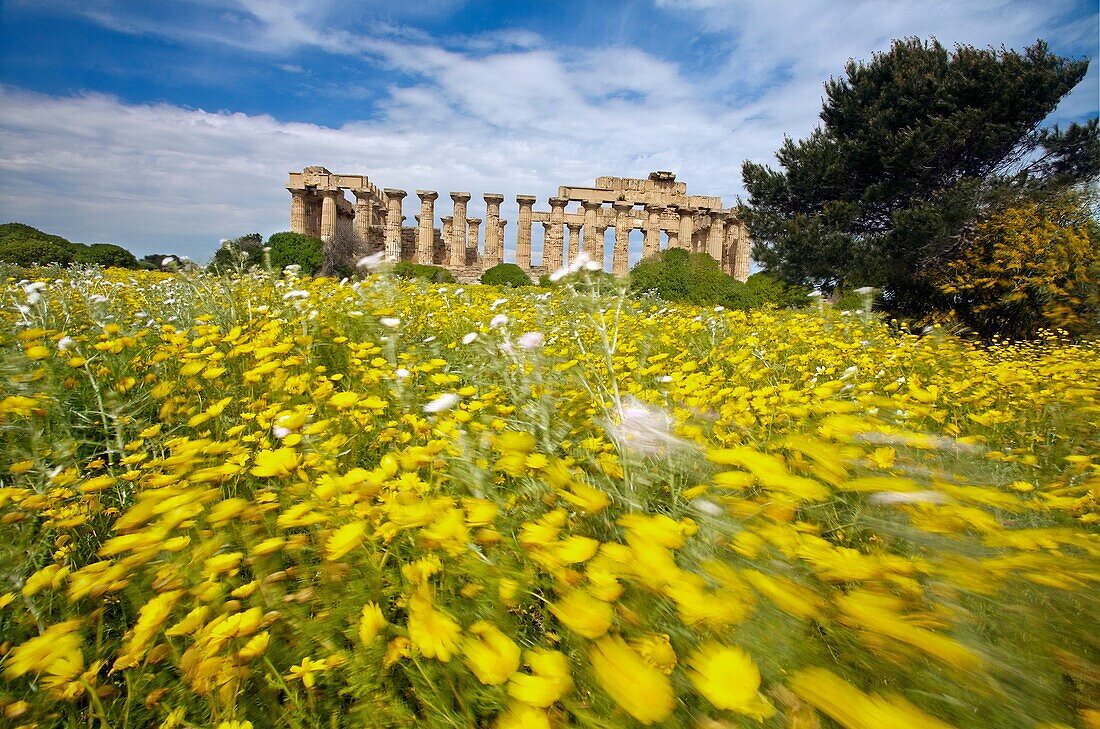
x,y
166,126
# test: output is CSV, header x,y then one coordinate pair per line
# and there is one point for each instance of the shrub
x,y
106,255
1034,264
505,274
695,278
240,253
36,252
423,272
296,249
770,290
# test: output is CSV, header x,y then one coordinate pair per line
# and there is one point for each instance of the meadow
x,y
270,501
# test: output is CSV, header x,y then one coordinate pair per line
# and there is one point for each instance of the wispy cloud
x,y
499,111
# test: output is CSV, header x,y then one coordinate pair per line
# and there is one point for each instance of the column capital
x,y
460,196
655,208
546,224
393,194
591,205
362,195
493,197
574,227
558,202
622,206
473,221
526,199
299,191
447,218
427,194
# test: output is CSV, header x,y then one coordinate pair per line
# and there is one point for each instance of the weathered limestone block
x,y
364,219
523,232
448,238
328,214
458,228
593,240
574,243
620,257
426,238
472,256
298,210
494,240
716,236
553,243
687,228
394,219
652,244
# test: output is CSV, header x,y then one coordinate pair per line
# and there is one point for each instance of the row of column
x,y
725,239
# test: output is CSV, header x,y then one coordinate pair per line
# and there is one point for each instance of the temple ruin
x,y
656,205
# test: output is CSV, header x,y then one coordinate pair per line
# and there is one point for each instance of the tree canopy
x,y
24,245
909,146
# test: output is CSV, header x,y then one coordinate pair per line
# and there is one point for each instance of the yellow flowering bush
x,y
263,501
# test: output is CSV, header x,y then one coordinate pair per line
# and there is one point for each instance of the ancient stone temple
x,y
658,206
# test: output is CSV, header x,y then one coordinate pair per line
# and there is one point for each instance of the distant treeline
x,y
26,246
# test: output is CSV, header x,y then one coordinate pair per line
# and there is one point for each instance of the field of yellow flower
x,y
307,503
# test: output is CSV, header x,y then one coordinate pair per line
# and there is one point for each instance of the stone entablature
x,y
655,205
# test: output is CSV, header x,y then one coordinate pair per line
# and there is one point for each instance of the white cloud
x,y
499,112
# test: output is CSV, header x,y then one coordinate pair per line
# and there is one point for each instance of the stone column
x,y
523,233
687,228
458,229
701,234
742,258
553,245
593,243
364,216
298,211
716,236
500,236
448,235
620,257
574,241
425,240
471,241
652,244
394,219
328,215
494,241
673,239
546,225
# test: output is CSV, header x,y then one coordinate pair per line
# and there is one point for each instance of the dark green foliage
x,y
1069,156
582,279
36,252
910,141
26,246
694,278
768,290
155,261
505,274
239,254
106,255
296,249
434,274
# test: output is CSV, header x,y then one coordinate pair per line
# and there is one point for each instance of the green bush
x,y
36,252
296,249
770,290
239,253
694,278
26,246
505,274
434,274
106,255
